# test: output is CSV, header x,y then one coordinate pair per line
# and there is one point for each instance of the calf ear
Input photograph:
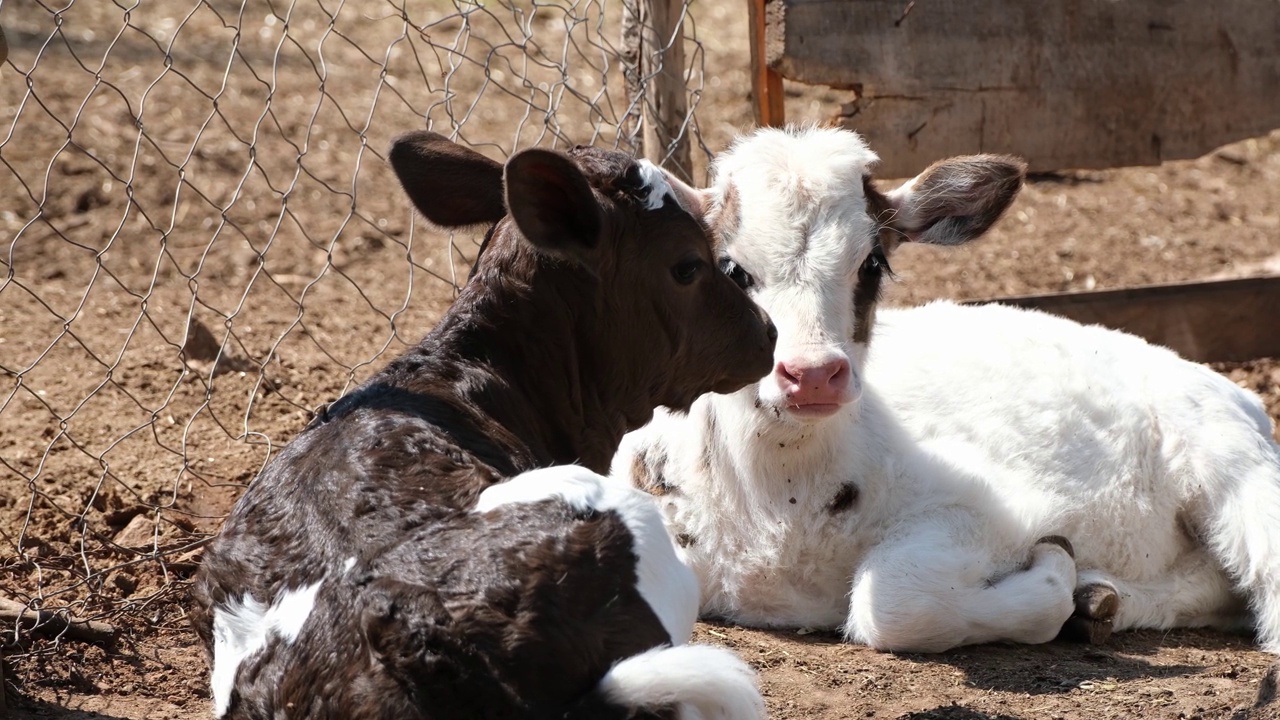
x,y
696,202
552,203
452,186
956,200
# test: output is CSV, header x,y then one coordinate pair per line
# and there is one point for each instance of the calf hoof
x,y
1096,607
1061,542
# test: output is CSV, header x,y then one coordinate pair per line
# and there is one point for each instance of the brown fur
x,y
871,274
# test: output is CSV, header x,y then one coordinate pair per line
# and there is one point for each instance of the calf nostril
x,y
841,370
785,373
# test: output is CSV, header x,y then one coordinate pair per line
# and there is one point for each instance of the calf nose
x,y
809,383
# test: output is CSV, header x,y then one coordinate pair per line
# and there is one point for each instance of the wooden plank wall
x,y
1213,321
1064,83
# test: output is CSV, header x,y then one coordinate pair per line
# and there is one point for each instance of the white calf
x,y
932,494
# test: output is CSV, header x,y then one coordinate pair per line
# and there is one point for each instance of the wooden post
x,y
653,66
766,84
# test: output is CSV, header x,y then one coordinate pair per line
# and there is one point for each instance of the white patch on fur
x,y
242,629
348,564
664,581
702,682
655,179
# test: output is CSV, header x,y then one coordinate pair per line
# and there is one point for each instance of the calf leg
x,y
928,593
1240,525
1193,592
1096,605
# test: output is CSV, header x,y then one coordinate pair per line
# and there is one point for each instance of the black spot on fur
x,y
846,498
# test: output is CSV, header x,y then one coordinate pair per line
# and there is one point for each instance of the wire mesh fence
x,y
203,243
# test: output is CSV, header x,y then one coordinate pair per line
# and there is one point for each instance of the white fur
x,y
243,628
977,431
794,258
655,179
703,683
666,584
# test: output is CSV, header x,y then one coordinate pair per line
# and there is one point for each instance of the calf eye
x,y
878,261
686,271
740,277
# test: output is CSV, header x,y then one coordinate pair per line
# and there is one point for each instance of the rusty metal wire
x,y
200,242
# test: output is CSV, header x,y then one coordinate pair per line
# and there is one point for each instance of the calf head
x,y
801,226
619,241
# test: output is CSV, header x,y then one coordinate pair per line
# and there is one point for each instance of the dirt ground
x,y
219,249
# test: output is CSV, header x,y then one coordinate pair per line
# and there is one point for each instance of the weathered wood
x,y
630,138
766,83
653,34
54,623
1214,321
1064,83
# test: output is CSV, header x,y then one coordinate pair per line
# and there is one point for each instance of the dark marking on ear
x,y
647,474
685,540
956,200
846,498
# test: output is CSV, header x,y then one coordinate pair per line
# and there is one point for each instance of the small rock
x,y
138,534
1232,155
123,581
200,349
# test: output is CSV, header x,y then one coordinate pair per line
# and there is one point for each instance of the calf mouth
x,y
814,411
781,409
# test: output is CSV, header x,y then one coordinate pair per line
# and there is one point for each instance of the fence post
x,y
653,66
766,84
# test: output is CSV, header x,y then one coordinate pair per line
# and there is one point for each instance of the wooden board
x,y
766,83
653,66
1064,83
1215,321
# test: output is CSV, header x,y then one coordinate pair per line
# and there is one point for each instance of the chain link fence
x,y
200,243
